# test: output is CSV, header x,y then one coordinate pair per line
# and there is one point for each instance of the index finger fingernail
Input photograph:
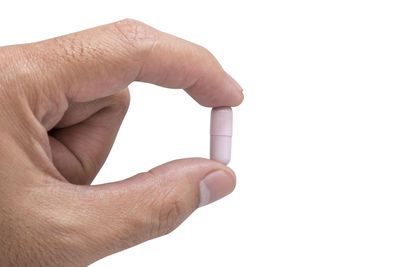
x,y
235,83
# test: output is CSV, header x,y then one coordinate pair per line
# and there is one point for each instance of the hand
x,y
61,104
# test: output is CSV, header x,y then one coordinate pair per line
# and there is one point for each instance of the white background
x,y
316,141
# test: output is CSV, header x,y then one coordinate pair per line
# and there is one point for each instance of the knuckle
x,y
205,52
210,59
169,210
169,216
71,49
135,33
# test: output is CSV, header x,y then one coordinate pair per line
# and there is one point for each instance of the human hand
x,y
61,104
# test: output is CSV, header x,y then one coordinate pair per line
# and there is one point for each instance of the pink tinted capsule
x,y
221,134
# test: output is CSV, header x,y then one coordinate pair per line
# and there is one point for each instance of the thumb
x,y
150,204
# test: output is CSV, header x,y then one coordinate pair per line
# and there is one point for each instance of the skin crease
x,y
62,102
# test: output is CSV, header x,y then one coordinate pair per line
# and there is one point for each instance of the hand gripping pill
x,y
221,134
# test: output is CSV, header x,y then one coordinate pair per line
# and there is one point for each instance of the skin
x,y
62,102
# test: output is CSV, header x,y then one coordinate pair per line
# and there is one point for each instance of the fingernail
x,y
216,185
235,83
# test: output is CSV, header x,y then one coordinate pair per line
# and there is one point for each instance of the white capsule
x,y
221,134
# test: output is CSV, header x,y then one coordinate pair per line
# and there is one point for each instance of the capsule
x,y
221,134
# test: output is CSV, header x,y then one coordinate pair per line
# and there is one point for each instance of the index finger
x,y
101,61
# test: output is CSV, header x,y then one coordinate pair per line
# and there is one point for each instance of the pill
x,y
221,134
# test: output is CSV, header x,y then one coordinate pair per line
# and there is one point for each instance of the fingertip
x,y
236,91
